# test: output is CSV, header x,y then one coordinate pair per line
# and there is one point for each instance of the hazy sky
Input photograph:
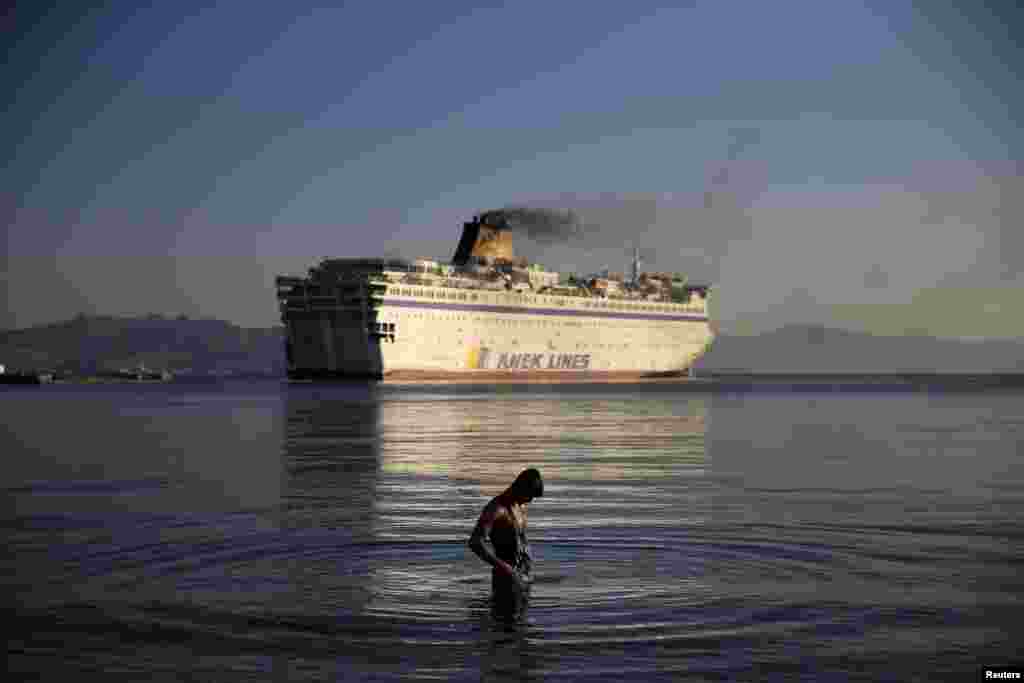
x,y
855,164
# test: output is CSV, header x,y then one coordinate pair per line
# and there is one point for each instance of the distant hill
x,y
817,349
184,346
93,344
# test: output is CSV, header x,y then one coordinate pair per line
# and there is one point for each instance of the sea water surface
x,y
263,531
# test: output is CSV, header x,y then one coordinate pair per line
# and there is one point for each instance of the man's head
x,y
527,486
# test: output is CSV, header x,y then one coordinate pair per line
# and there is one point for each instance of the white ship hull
x,y
436,332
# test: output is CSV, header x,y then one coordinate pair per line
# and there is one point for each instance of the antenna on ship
x,y
635,275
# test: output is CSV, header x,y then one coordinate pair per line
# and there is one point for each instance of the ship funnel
x,y
485,236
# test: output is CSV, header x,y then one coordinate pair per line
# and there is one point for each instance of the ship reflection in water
x,y
602,535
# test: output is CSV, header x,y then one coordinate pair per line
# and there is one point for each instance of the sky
x,y
854,164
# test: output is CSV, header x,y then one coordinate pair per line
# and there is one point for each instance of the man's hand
x,y
518,579
505,569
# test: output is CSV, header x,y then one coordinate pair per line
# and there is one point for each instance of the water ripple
x,y
320,533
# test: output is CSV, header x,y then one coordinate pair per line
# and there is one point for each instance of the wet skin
x,y
499,539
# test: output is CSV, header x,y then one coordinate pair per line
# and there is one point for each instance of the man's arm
x,y
480,544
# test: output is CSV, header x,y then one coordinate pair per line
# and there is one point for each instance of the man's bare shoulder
x,y
494,511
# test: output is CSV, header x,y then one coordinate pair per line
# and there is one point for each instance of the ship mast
x,y
635,273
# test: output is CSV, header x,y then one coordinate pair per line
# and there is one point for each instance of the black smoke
x,y
677,231
542,225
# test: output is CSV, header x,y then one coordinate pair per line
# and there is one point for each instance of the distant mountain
x,y
184,346
817,349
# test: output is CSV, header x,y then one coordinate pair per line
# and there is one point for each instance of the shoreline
x,y
722,382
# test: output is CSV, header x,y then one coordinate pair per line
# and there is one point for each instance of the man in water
x,y
503,523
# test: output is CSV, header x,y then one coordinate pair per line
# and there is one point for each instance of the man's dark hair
x,y
528,484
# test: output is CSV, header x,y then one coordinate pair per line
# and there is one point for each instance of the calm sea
x,y
257,531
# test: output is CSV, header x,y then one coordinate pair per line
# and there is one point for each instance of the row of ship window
x,y
511,322
389,335
454,295
381,330
433,294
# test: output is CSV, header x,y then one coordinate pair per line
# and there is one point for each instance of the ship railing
x,y
496,293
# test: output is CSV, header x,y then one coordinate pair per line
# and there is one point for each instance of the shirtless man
x,y
503,523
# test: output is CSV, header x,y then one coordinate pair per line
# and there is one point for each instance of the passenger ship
x,y
488,315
